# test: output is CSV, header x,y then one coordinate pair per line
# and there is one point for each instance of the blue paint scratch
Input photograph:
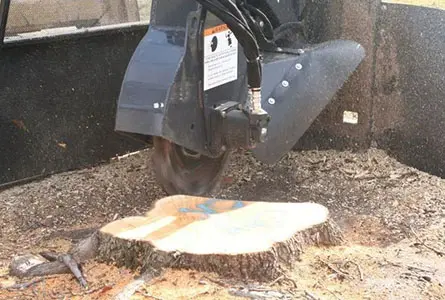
x,y
207,207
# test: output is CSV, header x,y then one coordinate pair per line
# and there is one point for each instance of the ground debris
x,y
24,285
373,209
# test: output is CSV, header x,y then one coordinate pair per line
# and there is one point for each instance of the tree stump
x,y
237,239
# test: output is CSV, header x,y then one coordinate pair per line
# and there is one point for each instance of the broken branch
x,y
357,266
438,252
334,269
310,296
72,264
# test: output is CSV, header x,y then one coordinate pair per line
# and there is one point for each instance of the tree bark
x,y
122,242
236,239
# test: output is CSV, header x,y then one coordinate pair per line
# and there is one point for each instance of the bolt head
x,y
285,83
300,51
271,101
298,66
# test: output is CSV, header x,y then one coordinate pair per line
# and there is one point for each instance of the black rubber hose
x,y
268,28
262,40
233,9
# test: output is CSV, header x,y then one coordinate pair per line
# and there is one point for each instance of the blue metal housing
x,y
162,90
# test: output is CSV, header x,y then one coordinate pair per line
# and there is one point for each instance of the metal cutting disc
x,y
182,171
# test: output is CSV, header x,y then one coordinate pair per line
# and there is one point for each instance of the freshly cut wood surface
x,y
236,238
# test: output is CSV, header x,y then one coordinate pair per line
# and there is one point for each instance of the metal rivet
x,y
156,105
271,101
300,51
261,24
279,49
285,83
298,66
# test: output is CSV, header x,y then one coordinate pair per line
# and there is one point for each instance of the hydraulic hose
x,y
262,40
268,28
235,11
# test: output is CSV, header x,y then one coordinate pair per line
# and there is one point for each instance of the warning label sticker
x,y
220,56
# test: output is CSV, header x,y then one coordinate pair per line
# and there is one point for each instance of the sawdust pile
x,y
392,215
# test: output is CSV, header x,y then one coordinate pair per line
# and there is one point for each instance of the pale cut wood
x,y
239,239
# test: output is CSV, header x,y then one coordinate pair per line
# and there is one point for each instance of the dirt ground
x,y
393,218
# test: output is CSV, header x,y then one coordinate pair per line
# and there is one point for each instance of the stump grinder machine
x,y
210,76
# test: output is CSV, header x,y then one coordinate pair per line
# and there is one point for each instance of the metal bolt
x,y
223,114
261,23
300,51
298,66
271,101
285,83
279,49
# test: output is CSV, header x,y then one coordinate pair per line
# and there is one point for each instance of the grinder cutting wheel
x,y
183,171
214,75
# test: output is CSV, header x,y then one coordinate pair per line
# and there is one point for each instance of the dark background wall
x,y
58,102
399,89
409,100
344,19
